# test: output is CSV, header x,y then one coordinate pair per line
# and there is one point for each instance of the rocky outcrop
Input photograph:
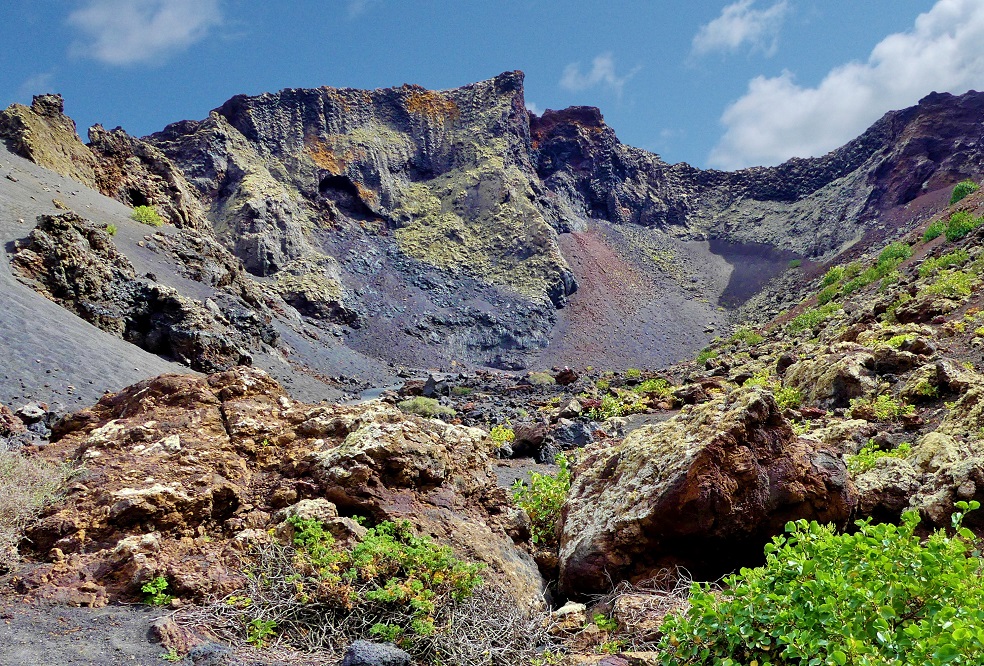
x,y
138,174
833,380
45,135
75,263
705,490
181,472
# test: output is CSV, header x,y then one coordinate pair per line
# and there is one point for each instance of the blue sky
x,y
714,83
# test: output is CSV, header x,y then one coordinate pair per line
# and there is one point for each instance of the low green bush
x,y
962,190
154,592
748,336
812,318
934,230
870,454
960,224
502,435
147,215
880,408
705,355
795,263
542,500
657,386
827,294
111,229
633,373
877,596
834,275
952,284
427,407
949,260
541,379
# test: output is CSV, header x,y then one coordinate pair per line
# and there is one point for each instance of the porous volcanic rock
x,y
181,471
76,264
833,380
704,490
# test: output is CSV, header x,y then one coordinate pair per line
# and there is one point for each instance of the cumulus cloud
x,y
123,32
740,24
36,85
777,118
533,108
601,74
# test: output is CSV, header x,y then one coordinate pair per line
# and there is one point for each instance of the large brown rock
x,y
704,490
181,471
832,380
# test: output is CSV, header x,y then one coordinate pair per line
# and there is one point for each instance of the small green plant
x,y
426,407
171,655
880,408
963,189
748,336
259,632
952,284
705,355
461,391
605,623
542,500
795,263
633,373
949,260
827,294
502,434
812,318
896,341
833,275
658,386
878,595
960,224
788,397
870,454
610,407
147,215
926,390
603,384
541,379
155,592
111,229
934,230
548,658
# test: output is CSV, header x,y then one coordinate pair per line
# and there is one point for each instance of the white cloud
x,y
357,7
602,74
533,108
123,32
740,24
777,118
36,85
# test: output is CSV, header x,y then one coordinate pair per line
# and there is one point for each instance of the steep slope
x,y
428,228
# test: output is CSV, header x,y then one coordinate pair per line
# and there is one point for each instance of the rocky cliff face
x,y
429,226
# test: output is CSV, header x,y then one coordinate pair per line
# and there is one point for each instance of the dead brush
x,y
641,607
27,485
486,628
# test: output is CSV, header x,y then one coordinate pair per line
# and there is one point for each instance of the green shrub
x,y
788,396
949,260
658,386
960,224
812,318
542,500
934,230
834,275
541,379
502,435
633,373
827,294
894,253
852,270
880,595
603,384
880,408
963,189
155,592
427,407
747,336
896,341
147,215
611,407
795,263
952,284
866,458
461,391
705,355
259,632
111,229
